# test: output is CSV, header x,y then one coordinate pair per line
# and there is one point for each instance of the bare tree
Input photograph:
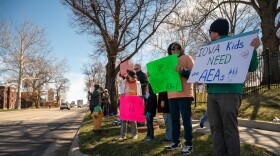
x,y
270,24
19,46
188,24
94,72
43,73
61,86
120,25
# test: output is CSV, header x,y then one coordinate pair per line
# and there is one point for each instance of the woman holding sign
x,y
224,100
180,101
130,86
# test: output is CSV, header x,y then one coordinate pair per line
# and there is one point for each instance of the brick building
x,y
7,97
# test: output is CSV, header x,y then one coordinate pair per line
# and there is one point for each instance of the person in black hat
x,y
220,26
224,100
130,86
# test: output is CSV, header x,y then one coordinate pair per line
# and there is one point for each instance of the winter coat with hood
x,y
187,63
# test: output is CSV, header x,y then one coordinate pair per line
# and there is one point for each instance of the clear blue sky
x,y
64,41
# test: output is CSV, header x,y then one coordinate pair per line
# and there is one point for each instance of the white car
x,y
73,104
65,106
80,105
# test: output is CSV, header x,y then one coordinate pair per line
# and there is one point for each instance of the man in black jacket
x,y
95,97
142,77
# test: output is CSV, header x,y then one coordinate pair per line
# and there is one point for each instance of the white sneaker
x,y
173,146
187,150
135,137
122,138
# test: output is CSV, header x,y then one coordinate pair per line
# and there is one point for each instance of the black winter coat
x,y
95,98
142,77
151,104
163,97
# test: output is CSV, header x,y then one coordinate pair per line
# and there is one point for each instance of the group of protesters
x,y
223,102
100,97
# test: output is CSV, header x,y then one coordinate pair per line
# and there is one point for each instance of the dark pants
x,y
105,106
222,113
91,108
183,106
150,126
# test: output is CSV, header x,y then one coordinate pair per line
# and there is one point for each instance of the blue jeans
x,y
168,125
204,117
150,131
183,106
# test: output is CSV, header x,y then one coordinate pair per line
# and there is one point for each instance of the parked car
x,y
73,104
80,103
65,106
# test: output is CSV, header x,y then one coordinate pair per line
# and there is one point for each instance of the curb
x,y
75,148
257,124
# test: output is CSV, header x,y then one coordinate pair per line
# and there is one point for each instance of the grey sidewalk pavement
x,y
74,149
257,133
269,140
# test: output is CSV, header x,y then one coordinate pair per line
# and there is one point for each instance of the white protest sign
x,y
224,61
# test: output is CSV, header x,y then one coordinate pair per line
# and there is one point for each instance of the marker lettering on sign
x,y
207,50
219,59
233,72
160,67
195,73
211,75
131,108
170,86
231,45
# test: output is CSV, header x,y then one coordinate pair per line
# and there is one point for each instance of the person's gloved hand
x,y
147,95
148,114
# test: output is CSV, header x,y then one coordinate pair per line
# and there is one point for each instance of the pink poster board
x,y
132,108
124,66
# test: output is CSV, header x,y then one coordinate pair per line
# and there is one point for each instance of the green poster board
x,y
162,74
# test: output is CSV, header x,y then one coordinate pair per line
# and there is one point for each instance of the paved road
x,y
39,132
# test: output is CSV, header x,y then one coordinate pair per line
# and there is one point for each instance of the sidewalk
x,y
269,140
262,137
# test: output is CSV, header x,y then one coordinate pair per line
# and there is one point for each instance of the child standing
x,y
163,107
130,86
150,112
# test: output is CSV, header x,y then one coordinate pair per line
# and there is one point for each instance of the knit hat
x,y
221,26
131,73
96,86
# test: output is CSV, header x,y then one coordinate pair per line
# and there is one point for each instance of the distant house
x,y
7,97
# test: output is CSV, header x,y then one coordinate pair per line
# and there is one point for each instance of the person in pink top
x,y
180,101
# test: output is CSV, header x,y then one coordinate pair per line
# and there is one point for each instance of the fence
x,y
265,77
